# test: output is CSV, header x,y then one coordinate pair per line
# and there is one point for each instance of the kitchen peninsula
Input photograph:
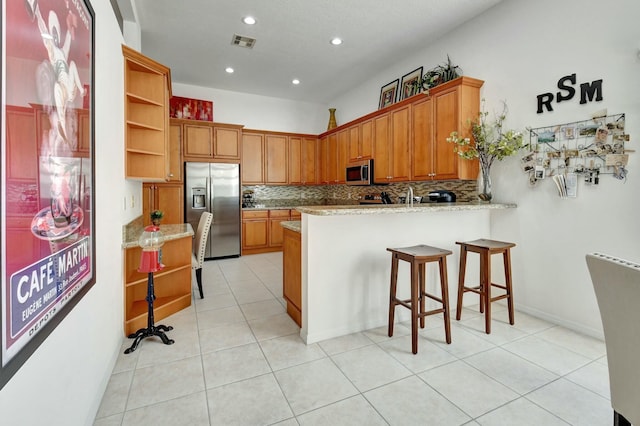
x,y
345,267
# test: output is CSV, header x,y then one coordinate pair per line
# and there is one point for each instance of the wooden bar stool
x,y
485,248
418,256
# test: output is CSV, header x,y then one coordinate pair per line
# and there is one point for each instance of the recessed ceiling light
x,y
249,20
336,41
295,81
229,70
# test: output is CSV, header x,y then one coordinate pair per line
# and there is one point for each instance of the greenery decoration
x,y
440,74
157,215
489,141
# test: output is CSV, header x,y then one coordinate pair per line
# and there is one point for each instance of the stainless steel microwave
x,y
360,173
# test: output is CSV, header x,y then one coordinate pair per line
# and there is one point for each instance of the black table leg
x,y
152,329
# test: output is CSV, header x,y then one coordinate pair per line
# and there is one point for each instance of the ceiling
x,y
193,38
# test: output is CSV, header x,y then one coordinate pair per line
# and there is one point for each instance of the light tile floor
x,y
238,360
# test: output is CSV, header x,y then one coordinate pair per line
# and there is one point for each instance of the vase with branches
x,y
489,141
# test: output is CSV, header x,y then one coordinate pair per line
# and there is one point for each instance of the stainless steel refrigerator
x,y
215,188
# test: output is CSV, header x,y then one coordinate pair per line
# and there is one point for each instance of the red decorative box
x,y
191,109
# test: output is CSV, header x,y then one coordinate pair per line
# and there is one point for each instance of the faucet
x,y
409,197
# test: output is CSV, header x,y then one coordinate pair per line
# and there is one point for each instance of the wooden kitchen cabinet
x,y
262,230
448,109
198,141
167,197
407,140
303,160
226,142
382,149
207,141
292,274
147,92
172,285
252,158
331,166
255,231
175,153
393,146
276,159
361,141
295,160
343,157
309,161
276,217
323,153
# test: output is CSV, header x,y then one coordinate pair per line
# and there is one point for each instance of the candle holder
x,y
150,261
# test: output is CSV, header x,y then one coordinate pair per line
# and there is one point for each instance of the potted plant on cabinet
x,y
156,216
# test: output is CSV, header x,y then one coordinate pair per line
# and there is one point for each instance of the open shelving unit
x,y
147,93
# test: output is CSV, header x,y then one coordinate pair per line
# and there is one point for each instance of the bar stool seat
x,y
485,248
418,256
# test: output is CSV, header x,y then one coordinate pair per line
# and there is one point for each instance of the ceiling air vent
x,y
243,41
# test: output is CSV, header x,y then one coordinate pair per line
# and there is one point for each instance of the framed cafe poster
x,y
47,220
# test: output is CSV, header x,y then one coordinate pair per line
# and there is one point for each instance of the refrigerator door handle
x,y
210,194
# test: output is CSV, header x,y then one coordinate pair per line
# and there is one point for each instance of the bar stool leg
x,y
485,287
507,278
415,288
392,292
463,267
422,292
445,297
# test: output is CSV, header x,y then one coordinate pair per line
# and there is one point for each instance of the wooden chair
x,y
617,286
197,257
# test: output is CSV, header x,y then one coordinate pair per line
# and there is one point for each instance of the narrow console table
x,y
172,284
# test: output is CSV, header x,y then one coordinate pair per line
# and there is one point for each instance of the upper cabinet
x,y
175,153
207,141
448,109
276,159
252,158
407,140
361,141
198,141
309,161
147,92
226,142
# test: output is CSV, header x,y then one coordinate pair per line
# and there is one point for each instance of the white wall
x,y
521,49
259,112
63,381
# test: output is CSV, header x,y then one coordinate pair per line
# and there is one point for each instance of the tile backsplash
x,y
276,196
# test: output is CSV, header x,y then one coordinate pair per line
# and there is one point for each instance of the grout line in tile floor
x,y
355,390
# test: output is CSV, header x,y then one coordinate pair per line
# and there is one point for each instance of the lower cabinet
x,y
261,230
292,274
172,285
255,230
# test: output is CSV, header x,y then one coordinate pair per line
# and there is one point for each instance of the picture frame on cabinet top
x,y
409,84
388,94
49,253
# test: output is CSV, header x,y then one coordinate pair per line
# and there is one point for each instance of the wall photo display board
x,y
47,220
578,151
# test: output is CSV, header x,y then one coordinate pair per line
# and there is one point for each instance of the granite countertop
x,y
132,231
369,209
293,225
